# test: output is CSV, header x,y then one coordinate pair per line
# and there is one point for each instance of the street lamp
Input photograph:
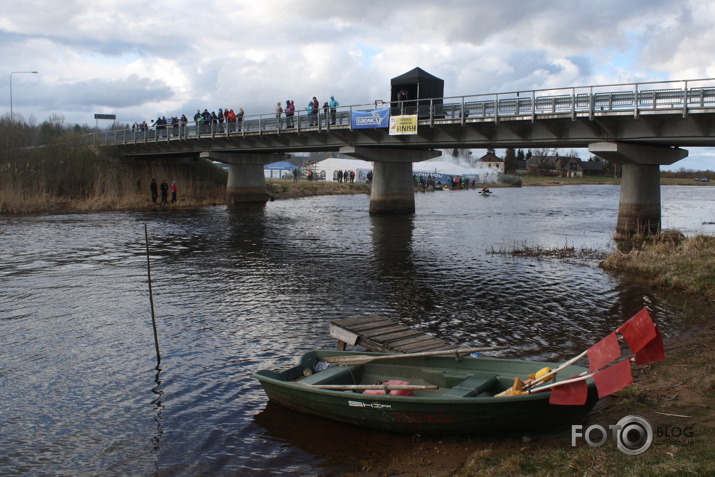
x,y
14,73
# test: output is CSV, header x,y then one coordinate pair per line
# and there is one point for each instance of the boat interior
x,y
452,382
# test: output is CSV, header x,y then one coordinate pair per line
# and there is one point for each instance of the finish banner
x,y
378,118
405,124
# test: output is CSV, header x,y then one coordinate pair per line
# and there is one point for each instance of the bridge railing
x,y
682,96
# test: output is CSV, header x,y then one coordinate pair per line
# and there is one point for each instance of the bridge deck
x,y
384,335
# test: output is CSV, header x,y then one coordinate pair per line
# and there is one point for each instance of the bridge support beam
x,y
639,203
393,187
246,180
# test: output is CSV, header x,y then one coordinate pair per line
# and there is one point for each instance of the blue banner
x,y
378,118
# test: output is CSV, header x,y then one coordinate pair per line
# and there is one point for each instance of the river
x,y
241,290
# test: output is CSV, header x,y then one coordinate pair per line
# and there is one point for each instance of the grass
x,y
693,456
669,260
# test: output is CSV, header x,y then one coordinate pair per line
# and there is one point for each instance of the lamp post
x,y
14,73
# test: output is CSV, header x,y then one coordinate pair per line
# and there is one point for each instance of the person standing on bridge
x,y
309,112
333,109
316,111
290,111
154,190
239,119
279,111
164,191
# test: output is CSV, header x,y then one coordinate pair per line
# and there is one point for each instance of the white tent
x,y
328,168
442,170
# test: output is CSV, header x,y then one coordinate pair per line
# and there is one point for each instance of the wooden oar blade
x,y
570,394
613,379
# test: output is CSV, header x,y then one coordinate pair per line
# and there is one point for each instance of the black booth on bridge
x,y
410,93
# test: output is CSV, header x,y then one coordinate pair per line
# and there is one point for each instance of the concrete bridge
x,y
638,125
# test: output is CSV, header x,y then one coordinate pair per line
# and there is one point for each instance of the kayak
x,y
422,394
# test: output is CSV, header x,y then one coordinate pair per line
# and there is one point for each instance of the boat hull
x,y
427,412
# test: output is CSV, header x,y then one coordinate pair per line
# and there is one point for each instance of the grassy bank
x,y
288,189
529,180
670,261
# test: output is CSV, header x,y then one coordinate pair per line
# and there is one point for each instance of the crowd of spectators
x,y
228,120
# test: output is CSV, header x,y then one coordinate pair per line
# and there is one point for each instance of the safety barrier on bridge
x,y
673,97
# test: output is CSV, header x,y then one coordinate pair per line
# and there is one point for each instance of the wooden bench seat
x,y
334,375
472,386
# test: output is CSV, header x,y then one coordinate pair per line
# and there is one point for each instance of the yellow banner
x,y
405,124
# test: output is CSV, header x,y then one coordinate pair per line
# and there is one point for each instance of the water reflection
x,y
393,260
241,289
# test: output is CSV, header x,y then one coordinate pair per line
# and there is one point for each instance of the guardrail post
x,y
496,109
685,99
462,113
431,113
533,106
573,104
635,102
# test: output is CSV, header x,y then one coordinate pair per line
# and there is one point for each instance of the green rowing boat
x,y
444,394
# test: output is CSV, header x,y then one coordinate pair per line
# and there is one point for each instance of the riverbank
x,y
675,395
542,181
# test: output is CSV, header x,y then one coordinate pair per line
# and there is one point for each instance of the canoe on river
x,y
443,395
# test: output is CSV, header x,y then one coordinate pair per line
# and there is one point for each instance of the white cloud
x,y
138,58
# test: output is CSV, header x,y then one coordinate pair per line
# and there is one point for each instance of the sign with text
x,y
405,124
378,118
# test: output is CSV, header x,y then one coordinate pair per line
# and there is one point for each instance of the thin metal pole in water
x,y
151,296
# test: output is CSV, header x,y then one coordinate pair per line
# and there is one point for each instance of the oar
x,y
362,387
553,372
362,359
528,385
581,377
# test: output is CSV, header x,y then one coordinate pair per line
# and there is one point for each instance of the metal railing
x,y
681,97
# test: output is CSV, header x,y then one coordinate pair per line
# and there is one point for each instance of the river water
x,y
241,290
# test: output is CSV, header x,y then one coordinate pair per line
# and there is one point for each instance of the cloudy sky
x,y
139,59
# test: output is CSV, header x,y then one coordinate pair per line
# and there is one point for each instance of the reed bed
x,y
79,179
538,251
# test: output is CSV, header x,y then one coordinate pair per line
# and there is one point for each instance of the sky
x,y
140,59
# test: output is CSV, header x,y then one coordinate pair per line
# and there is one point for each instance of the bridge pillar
x,y
393,186
639,203
246,180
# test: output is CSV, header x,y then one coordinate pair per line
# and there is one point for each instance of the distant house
x,y
559,166
592,168
492,162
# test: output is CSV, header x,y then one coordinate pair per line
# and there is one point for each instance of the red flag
x,y
638,331
571,394
603,352
614,378
653,351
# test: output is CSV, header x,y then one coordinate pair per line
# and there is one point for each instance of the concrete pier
x,y
393,189
246,179
639,203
